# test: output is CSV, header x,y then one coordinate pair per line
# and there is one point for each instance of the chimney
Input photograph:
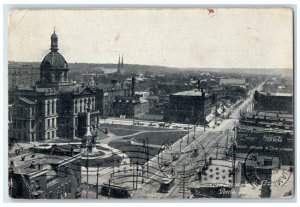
x,y
203,93
198,85
133,86
72,151
114,82
40,166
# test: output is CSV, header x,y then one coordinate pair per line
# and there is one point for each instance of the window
x,y
75,106
50,194
32,124
48,108
48,123
70,187
53,106
56,109
52,134
268,162
32,137
32,111
48,135
53,122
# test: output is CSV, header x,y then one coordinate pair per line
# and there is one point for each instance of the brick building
x,y
265,101
189,107
45,176
22,75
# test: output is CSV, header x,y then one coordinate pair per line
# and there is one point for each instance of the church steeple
x,y
119,64
54,42
122,62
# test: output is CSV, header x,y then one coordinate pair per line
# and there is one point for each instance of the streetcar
x,y
166,184
115,191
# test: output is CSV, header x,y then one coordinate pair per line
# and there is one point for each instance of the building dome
x,y
54,60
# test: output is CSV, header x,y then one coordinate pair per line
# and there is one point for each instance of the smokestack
x,y
203,93
198,85
133,86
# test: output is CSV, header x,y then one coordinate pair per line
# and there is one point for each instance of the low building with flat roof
x,y
189,107
44,176
264,101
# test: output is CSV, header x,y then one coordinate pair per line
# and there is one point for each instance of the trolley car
x,y
166,184
115,191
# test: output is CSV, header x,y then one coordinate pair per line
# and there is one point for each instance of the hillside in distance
x,y
135,68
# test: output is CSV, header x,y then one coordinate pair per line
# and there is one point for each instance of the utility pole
x,y
147,153
87,174
180,145
194,132
188,133
227,139
137,175
109,188
234,158
113,174
97,187
183,190
132,176
217,151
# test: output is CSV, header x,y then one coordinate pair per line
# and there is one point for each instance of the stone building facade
x,y
56,102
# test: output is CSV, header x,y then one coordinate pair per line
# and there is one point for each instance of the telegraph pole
x,y
194,132
109,188
217,151
113,167
137,175
188,133
132,176
234,158
87,174
180,145
147,153
227,139
183,190
97,187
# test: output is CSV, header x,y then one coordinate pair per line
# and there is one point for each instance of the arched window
x,y
52,106
75,106
48,107
80,110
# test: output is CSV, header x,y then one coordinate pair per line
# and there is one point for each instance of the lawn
x,y
134,128
159,138
119,130
155,138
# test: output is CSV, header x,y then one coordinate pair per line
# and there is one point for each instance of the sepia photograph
x,y
150,103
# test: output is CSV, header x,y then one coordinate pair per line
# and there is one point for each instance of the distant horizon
x,y
178,38
157,65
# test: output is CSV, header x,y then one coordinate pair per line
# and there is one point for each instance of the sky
x,y
184,38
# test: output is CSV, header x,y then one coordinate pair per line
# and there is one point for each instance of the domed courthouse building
x,y
51,109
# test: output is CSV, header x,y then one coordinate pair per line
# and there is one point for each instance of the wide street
x,y
211,143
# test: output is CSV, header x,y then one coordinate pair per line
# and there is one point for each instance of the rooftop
x,y
218,173
32,161
265,129
190,93
277,94
26,100
232,81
